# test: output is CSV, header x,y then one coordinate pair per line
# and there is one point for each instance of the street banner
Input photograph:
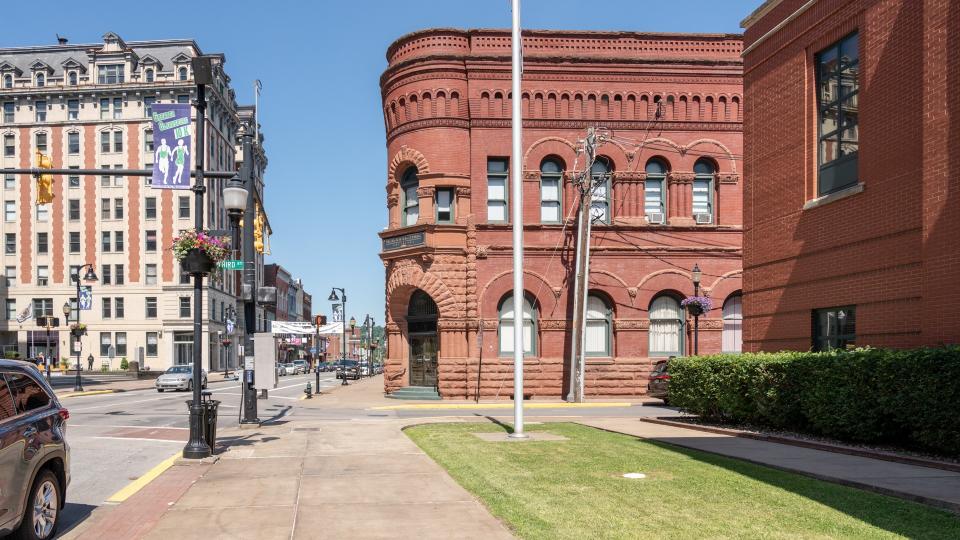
x,y
171,145
25,314
86,298
337,313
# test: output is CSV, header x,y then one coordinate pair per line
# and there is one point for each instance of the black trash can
x,y
210,419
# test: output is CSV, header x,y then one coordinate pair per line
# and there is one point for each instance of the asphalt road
x,y
116,438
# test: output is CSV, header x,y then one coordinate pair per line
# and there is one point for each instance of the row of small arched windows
x,y
40,79
666,333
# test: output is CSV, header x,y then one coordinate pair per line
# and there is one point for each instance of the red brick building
x,y
672,104
852,200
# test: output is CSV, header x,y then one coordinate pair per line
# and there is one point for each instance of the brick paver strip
x,y
140,513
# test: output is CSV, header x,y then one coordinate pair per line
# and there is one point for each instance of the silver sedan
x,y
178,378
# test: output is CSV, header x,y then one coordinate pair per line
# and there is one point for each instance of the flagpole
x,y
516,185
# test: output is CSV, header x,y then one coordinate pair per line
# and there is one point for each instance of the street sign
x,y
313,350
86,298
231,264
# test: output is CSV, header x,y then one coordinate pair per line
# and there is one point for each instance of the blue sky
x,y
320,63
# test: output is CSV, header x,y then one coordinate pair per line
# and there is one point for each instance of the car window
x,y
27,394
7,409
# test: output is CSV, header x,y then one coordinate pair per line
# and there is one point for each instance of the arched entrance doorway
x,y
422,335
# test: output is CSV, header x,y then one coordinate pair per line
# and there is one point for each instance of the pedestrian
x,y
90,363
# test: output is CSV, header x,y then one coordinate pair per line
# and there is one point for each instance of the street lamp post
x,y
368,325
353,326
696,316
343,322
89,277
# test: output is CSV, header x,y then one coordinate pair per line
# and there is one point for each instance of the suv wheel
x,y
43,509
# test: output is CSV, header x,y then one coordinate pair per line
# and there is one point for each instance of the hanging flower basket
x,y
697,305
78,330
199,253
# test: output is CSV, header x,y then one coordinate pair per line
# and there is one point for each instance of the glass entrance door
x,y
423,360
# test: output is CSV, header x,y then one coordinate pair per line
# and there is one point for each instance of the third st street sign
x,y
231,264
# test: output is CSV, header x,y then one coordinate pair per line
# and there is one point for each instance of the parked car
x,y
659,385
364,369
179,378
348,369
301,365
34,454
290,368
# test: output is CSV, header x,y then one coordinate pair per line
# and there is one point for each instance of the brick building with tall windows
x,y
669,198
852,198
87,106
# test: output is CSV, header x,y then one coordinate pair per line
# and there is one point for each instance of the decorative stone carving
x,y
710,324
457,324
557,291
632,292
680,177
629,176
531,175
631,324
427,258
426,192
392,200
392,328
463,192
728,178
481,252
553,324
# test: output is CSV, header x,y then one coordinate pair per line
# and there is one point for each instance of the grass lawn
x,y
574,489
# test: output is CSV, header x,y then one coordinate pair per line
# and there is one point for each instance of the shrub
x,y
124,365
908,397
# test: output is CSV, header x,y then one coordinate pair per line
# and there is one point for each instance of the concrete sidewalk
x,y
304,479
931,486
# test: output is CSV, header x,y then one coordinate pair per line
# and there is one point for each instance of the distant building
x,y
852,199
670,199
87,106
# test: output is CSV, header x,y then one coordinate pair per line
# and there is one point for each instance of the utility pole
x,y
586,184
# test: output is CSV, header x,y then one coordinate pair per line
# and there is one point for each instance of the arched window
x,y
41,79
551,188
703,171
148,75
666,327
733,324
8,81
182,73
654,192
410,203
72,78
598,338
600,202
505,329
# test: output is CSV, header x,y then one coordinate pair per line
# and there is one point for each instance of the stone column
x,y
680,198
627,197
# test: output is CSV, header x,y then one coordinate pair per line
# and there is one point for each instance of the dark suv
x,y
34,455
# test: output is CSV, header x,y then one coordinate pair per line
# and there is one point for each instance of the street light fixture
x,y
343,314
695,275
89,277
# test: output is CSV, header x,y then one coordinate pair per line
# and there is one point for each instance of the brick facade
x,y
446,99
888,245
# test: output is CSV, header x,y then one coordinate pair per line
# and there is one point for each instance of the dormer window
x,y
110,74
148,75
8,81
72,78
41,80
182,74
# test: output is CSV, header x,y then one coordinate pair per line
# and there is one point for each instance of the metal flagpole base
x,y
197,447
518,436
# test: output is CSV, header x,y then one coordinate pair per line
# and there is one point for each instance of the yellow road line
x,y
87,393
503,406
141,482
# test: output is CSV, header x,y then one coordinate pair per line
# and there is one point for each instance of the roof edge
x,y
759,13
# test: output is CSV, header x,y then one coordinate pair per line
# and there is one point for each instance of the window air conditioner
x,y
655,218
703,219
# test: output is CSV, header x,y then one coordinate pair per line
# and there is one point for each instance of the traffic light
x,y
44,181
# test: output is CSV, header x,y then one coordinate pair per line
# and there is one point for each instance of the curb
x,y
449,406
814,445
133,487
88,393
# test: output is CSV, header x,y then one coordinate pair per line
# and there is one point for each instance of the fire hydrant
x,y
308,391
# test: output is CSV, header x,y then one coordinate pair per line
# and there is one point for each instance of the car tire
x,y
160,390
189,386
45,494
204,386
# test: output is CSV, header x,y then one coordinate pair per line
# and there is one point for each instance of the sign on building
x,y
171,145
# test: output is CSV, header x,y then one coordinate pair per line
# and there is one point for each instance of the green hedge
x,y
906,397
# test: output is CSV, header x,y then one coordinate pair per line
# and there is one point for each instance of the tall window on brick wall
x,y
834,328
505,328
73,109
410,203
444,205
703,171
598,336
551,189
838,85
666,327
497,171
654,192
73,143
732,341
600,200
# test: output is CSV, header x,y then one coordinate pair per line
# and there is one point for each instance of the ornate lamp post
x,y
695,275
89,277
343,314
